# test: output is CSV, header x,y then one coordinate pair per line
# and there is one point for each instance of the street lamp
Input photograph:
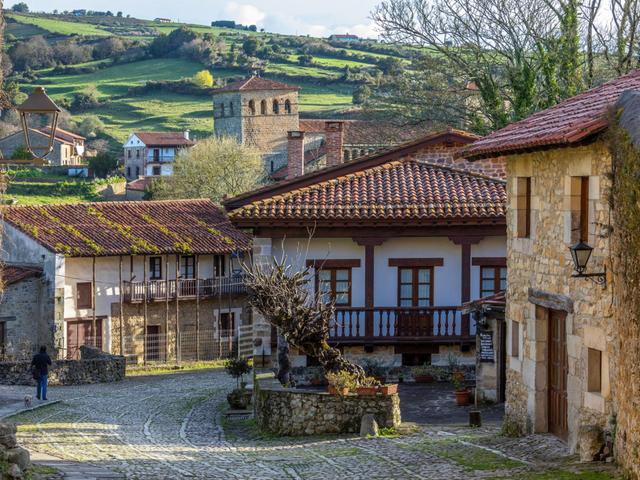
x,y
39,103
236,267
580,253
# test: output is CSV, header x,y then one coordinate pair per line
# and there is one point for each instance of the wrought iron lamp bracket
x,y
597,278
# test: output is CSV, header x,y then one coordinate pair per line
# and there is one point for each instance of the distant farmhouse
x,y
352,38
68,148
79,12
153,153
162,20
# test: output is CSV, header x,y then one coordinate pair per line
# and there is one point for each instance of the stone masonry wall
x,y
443,155
294,412
10,143
542,261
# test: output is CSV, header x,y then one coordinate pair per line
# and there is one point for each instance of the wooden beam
x,y
466,285
93,305
177,303
166,309
337,263
369,284
144,258
291,229
416,262
489,261
121,312
198,307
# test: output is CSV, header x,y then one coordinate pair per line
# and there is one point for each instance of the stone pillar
x,y
262,256
295,152
333,131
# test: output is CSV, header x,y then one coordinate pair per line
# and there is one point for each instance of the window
x,y
128,171
252,107
523,213
263,107
128,153
415,287
84,295
220,265
156,170
188,267
492,280
334,284
155,268
224,321
137,172
287,106
271,166
138,153
515,339
276,107
222,109
231,108
579,209
594,371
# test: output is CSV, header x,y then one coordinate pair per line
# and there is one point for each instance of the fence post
x,y
179,348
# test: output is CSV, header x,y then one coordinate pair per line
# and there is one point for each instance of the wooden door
x,y
558,370
152,341
80,332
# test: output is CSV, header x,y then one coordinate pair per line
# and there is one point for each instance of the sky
x,y
304,17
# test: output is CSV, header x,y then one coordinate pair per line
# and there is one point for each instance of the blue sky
x,y
282,16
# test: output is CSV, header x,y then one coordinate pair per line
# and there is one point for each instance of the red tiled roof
x,y
14,273
163,139
121,228
62,134
397,190
256,83
564,124
139,184
497,300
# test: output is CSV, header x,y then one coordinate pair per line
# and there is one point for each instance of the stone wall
x,y
542,262
14,460
94,367
293,412
443,155
113,191
61,154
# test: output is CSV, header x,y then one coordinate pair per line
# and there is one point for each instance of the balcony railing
x,y
400,324
160,290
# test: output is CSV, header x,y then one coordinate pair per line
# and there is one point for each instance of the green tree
x,y
21,153
102,164
251,46
87,98
203,79
20,7
91,126
361,94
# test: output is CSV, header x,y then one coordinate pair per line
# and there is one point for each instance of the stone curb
x,y
4,415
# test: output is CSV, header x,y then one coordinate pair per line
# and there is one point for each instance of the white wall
x,y
164,169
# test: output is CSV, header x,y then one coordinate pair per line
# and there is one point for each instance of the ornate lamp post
x,y
39,103
580,253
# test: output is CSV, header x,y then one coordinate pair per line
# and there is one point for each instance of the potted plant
x,y
237,368
389,389
461,391
401,377
368,387
425,373
375,368
341,383
316,377
453,364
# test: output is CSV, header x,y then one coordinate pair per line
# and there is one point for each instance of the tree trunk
x,y
284,360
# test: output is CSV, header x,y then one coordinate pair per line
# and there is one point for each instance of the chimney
x,y
295,151
186,134
333,131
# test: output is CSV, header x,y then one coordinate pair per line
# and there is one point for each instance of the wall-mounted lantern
x,y
236,259
580,253
39,103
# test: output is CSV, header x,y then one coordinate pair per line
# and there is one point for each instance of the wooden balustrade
x,y
183,288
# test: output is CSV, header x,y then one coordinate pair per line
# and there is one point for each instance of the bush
x,y
237,368
102,164
21,153
203,79
88,98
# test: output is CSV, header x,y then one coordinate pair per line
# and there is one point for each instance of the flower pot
x,y
424,379
334,391
239,399
367,391
325,381
381,378
388,389
463,397
400,379
460,376
315,381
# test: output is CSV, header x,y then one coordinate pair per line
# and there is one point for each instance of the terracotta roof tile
x,y
153,139
120,228
406,189
256,83
569,122
62,134
15,273
139,185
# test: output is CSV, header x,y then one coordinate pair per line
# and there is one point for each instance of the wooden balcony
x,y
187,289
393,325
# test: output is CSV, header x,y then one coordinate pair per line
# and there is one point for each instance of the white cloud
x,y
243,14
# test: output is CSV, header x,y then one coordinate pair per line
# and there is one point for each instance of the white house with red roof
x,y
153,153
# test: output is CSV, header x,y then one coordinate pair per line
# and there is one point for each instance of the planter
x,y
239,399
460,376
400,379
367,391
424,379
388,389
381,378
463,397
315,381
334,391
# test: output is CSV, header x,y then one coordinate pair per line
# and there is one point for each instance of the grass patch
x,y
41,470
59,26
32,193
168,369
388,432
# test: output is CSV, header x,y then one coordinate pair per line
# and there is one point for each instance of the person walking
x,y
41,362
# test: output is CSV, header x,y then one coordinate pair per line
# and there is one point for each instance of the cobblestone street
x,y
170,427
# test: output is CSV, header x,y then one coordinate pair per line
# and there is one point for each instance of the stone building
x,y
401,239
168,266
153,153
68,148
563,336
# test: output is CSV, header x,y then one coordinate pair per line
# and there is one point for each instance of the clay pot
x,y
334,391
315,381
424,379
381,379
239,399
389,389
463,397
367,391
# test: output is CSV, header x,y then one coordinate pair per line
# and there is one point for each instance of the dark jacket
x,y
41,360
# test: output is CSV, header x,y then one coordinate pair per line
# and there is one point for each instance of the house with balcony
x,y
131,277
153,153
400,238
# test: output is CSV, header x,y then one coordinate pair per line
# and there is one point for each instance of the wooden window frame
x,y
219,259
584,208
333,283
523,198
152,275
88,305
337,263
184,262
496,279
415,285
158,169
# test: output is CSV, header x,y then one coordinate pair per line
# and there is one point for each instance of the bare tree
x,y
618,39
